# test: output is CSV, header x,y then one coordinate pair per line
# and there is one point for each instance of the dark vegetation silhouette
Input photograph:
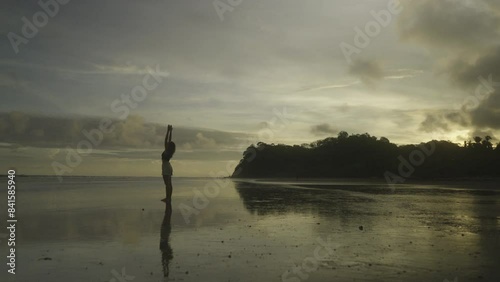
x,y
362,156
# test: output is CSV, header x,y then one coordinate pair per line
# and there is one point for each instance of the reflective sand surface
x,y
117,229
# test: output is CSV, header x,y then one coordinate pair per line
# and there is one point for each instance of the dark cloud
x,y
457,117
487,115
482,80
323,129
455,24
469,31
368,71
434,122
444,121
56,132
486,67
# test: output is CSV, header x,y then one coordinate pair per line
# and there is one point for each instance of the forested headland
x,y
366,156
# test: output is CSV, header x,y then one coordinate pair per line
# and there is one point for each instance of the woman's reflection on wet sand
x,y
166,250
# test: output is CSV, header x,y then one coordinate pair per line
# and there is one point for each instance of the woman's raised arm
x,y
168,136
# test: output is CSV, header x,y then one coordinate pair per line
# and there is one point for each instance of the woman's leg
x,y
167,179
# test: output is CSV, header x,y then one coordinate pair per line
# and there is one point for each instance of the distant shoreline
x,y
377,179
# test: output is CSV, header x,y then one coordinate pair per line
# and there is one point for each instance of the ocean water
x,y
117,229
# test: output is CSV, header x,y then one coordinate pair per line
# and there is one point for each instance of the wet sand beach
x,y
117,229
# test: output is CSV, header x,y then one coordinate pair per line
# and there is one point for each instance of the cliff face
x,y
366,156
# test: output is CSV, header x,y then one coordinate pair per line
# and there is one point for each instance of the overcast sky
x,y
228,74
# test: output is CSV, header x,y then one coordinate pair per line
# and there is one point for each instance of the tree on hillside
x,y
486,143
343,135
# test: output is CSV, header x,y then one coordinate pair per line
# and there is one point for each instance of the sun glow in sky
x,y
229,75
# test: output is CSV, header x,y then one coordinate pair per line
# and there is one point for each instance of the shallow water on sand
x,y
117,229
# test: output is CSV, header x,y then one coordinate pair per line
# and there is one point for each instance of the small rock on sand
x,y
46,258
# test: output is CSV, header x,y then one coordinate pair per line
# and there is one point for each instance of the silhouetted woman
x,y
166,168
